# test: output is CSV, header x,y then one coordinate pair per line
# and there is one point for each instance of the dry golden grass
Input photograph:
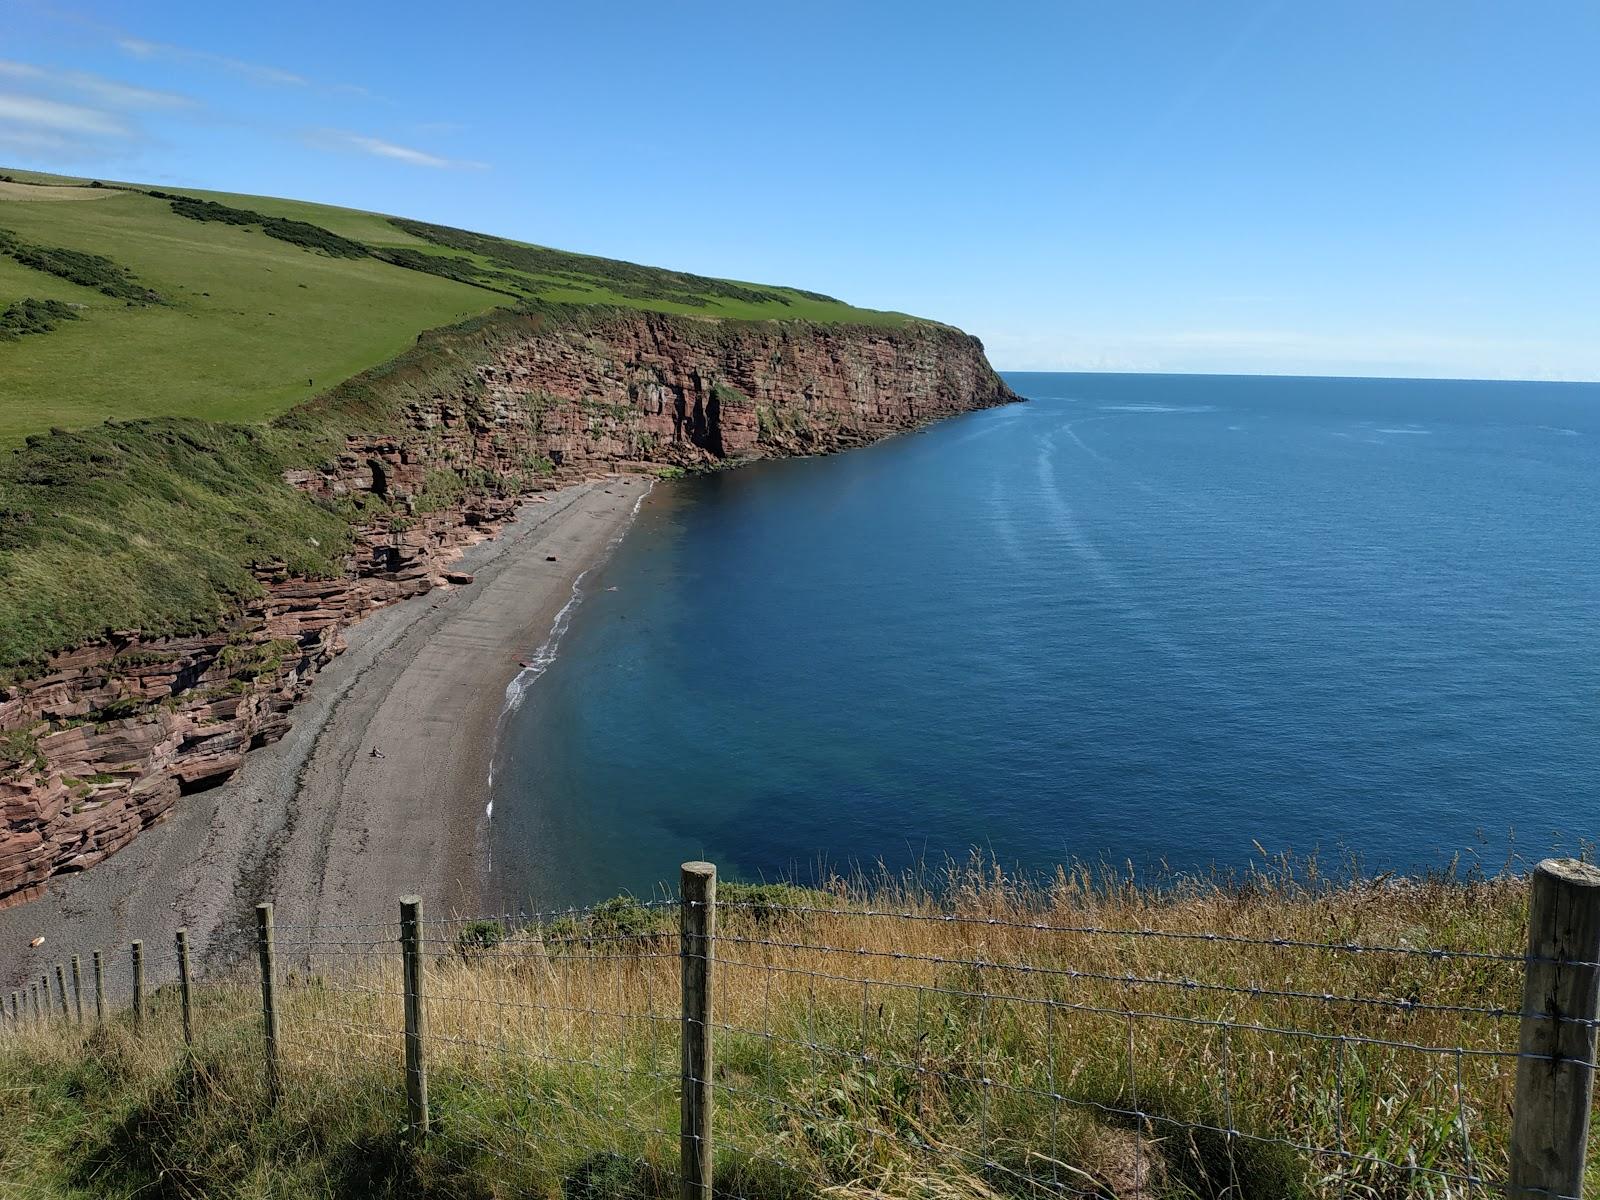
x,y
973,1039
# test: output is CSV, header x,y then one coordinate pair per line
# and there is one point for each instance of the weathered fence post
x,y
33,1001
44,996
269,1008
99,990
416,1017
77,988
697,932
137,950
183,985
1561,991
61,989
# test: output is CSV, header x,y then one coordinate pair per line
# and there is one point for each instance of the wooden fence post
x,y
183,985
33,1001
697,932
99,990
1561,990
269,1008
416,1016
77,988
136,948
44,996
61,989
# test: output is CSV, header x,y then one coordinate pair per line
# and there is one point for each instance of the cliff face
x,y
112,734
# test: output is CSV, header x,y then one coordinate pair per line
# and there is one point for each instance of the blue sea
x,y
1166,621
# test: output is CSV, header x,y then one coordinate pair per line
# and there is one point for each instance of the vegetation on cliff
x,y
988,1059
265,302
195,346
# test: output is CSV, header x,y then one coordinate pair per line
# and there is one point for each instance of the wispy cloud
x,y
1298,352
139,47
379,148
111,92
35,112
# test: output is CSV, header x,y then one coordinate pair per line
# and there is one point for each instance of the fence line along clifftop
x,y
776,1041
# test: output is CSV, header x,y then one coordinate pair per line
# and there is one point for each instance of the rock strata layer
x,y
112,734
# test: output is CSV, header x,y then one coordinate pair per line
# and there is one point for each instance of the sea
x,y
1160,623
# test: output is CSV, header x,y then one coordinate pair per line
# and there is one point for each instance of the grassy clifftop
x,y
166,356
235,308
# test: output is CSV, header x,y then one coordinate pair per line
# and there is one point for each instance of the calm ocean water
x,y
1141,618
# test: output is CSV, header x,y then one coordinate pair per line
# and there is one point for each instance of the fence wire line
x,y
1255,991
1145,932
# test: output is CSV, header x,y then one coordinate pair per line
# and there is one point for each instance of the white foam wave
x,y
1158,408
1083,445
1405,429
541,659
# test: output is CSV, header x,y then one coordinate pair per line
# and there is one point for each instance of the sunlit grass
x,y
856,1055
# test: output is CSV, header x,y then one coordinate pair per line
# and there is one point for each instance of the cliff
x,y
102,738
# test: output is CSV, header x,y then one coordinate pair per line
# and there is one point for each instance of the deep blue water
x,y
1141,618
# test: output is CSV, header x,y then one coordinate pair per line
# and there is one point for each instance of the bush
x,y
480,935
624,916
565,269
77,266
33,316
298,233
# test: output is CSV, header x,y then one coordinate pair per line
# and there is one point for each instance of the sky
x,y
1400,187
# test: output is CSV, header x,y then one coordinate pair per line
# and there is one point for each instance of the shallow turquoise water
x,y
1143,618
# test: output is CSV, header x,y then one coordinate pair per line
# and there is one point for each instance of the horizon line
x,y
1301,375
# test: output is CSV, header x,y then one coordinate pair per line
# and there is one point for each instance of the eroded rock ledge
x,y
107,739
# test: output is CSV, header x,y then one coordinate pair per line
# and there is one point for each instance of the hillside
x,y
235,308
210,489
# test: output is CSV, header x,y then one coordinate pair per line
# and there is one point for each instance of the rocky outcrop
x,y
106,740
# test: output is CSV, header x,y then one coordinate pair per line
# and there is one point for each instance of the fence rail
x,y
738,1046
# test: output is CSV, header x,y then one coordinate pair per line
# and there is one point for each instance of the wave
x,y
1158,408
1406,429
540,661
542,658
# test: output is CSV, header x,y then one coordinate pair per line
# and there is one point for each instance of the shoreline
x,y
315,822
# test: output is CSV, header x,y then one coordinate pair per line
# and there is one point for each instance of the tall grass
x,y
981,1041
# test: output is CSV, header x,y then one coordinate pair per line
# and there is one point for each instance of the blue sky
x,y
1399,187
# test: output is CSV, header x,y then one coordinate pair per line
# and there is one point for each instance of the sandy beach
x,y
316,823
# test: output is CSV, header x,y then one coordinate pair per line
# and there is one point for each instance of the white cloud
x,y
1298,352
257,72
107,91
31,141
406,154
33,112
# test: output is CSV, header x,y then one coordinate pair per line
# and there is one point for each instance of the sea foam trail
x,y
539,661
1149,626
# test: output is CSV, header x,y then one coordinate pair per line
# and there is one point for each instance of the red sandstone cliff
x,y
105,741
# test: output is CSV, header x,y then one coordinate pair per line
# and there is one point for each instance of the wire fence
x,y
780,1042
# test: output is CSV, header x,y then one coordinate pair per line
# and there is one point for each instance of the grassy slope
x,y
250,319
172,423
537,1082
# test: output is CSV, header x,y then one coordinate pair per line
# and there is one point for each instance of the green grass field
x,y
250,324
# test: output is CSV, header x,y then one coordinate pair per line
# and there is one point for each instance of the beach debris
x,y
376,753
550,558
458,577
38,941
